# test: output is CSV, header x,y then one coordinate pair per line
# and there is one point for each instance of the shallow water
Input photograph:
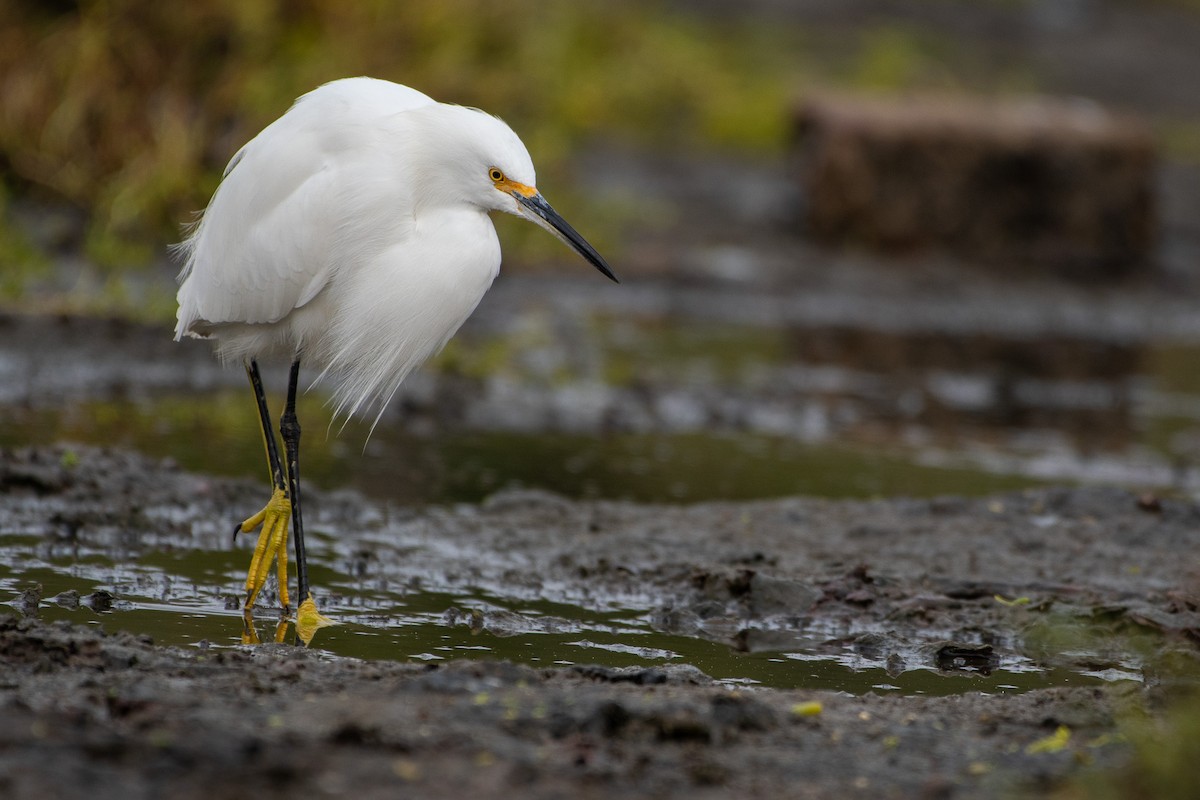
x,y
218,433
939,416
185,598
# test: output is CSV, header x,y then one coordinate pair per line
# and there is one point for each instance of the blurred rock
x,y
1064,185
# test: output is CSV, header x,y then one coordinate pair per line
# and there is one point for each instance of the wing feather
x,y
274,232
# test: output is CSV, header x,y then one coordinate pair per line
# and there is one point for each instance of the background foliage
x,y
118,116
126,111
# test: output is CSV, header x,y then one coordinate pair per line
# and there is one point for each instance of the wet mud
x,y
496,641
603,641
929,598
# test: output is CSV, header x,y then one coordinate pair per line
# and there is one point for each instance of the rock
x,y
771,596
1054,184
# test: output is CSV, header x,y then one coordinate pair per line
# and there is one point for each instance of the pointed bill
x,y
535,208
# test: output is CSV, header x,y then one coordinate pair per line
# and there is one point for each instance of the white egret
x,y
351,233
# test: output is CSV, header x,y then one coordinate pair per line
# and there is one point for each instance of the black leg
x,y
274,465
289,427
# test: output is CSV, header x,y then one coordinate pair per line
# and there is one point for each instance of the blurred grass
x,y
1165,747
125,112
129,109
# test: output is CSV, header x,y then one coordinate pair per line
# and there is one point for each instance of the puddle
x,y
703,412
181,598
218,434
658,406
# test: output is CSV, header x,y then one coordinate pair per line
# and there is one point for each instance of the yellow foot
x,y
250,633
272,546
309,620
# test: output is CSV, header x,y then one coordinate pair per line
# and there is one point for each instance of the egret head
x,y
488,166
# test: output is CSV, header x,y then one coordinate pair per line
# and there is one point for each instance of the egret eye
x,y
496,175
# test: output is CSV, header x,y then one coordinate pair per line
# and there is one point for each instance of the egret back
x,y
276,228
352,232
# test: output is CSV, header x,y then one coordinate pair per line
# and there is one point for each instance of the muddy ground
x,y
1013,641
910,585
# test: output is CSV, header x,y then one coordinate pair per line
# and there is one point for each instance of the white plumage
x,y
353,232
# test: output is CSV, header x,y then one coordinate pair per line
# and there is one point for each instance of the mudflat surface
x,y
908,648
1090,582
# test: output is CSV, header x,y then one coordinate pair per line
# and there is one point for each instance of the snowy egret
x,y
353,233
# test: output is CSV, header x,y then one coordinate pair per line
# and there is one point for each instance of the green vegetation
x,y
130,109
118,116
126,111
1166,750
1165,747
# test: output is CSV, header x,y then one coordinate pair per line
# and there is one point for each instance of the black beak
x,y
543,214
